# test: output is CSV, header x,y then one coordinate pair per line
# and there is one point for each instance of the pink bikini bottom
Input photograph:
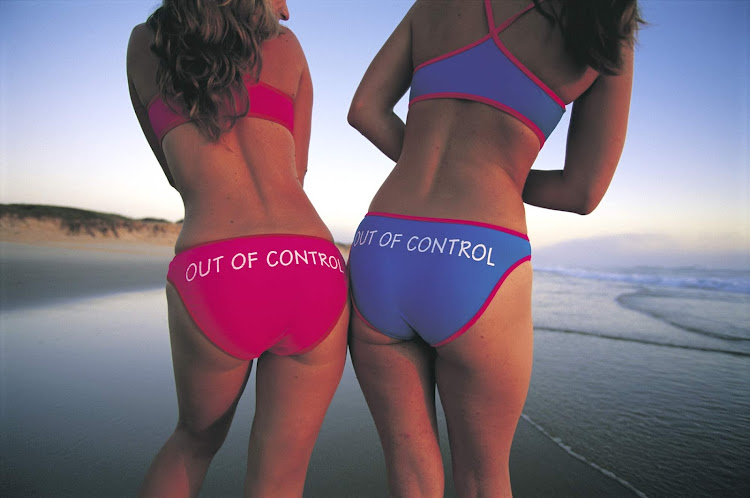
x,y
277,293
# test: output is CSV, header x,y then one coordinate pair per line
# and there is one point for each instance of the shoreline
x,y
35,275
45,275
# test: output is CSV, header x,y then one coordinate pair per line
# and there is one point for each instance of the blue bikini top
x,y
486,71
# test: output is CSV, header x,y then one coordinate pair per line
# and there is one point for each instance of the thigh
x,y
292,396
398,380
483,377
209,382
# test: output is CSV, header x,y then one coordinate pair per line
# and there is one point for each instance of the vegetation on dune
x,y
76,221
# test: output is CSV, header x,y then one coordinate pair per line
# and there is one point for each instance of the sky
x,y
69,137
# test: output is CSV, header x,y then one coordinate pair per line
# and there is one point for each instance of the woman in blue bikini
x,y
440,266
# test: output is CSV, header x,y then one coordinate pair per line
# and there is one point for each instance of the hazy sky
x,y
68,135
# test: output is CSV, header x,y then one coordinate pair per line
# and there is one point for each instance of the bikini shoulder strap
x,y
509,21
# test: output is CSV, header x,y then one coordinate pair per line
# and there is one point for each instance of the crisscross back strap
x,y
509,21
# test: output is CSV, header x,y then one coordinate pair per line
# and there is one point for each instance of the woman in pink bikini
x,y
224,97
440,266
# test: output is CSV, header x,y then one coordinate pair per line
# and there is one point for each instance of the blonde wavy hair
x,y
205,47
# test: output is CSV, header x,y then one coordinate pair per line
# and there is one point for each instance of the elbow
x,y
587,203
585,195
365,115
357,112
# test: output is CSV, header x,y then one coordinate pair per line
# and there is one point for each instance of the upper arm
x,y
293,56
303,122
389,75
596,136
138,47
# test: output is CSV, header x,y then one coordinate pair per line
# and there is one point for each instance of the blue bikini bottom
x,y
429,277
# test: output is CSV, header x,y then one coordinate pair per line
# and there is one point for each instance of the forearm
x,y
596,137
552,190
384,129
301,177
153,141
386,80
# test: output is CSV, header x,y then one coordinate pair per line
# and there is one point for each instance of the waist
x,y
233,220
482,195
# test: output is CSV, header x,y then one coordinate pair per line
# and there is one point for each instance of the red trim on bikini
x,y
494,103
450,220
485,305
495,31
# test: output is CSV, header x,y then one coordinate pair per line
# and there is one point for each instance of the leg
x,y
209,385
483,377
293,394
398,381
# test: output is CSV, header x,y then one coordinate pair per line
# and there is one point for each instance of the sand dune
x,y
73,228
67,227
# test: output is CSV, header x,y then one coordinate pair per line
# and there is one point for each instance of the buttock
x,y
427,277
277,293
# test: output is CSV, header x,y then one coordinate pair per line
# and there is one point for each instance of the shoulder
x,y
141,62
421,6
288,36
284,50
139,43
141,35
286,43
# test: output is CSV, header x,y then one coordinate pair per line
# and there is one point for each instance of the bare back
x,y
250,180
465,159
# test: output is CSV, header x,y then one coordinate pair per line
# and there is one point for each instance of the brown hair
x,y
204,49
594,30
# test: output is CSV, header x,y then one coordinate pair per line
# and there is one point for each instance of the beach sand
x,y
42,277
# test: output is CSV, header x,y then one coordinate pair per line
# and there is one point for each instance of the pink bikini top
x,y
265,102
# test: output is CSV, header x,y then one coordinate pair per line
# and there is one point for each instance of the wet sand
x,y
44,279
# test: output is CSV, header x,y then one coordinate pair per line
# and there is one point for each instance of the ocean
x,y
640,374
645,373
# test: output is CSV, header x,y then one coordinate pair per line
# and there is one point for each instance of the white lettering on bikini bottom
x,y
280,259
442,245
